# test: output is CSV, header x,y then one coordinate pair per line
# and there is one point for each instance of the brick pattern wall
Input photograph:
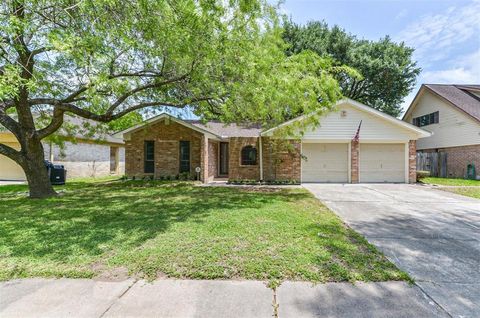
x,y
412,161
280,161
212,159
236,170
354,168
166,135
459,157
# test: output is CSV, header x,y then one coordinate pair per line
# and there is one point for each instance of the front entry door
x,y
223,169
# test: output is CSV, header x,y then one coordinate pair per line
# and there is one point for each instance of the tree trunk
x,y
36,172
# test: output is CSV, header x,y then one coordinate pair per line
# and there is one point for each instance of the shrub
x,y
421,174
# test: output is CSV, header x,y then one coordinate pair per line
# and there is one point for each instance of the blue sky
x,y
444,33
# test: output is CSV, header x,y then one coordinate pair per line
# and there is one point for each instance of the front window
x,y
249,156
184,156
149,156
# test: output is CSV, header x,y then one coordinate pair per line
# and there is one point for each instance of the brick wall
x,y
354,168
212,159
459,157
281,161
412,161
236,170
166,135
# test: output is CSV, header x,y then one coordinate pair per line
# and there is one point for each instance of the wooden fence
x,y
435,162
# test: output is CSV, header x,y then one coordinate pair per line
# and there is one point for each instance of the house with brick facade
x,y
452,114
340,150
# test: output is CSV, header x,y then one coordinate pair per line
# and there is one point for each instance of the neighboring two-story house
x,y
452,114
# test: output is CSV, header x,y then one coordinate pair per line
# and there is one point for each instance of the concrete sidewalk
x,y
190,298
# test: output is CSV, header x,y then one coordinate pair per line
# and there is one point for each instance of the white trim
x,y
420,132
407,162
158,118
350,162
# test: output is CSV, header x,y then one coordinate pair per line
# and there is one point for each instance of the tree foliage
x,y
103,59
388,72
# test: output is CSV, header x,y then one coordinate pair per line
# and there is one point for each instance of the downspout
x,y
261,156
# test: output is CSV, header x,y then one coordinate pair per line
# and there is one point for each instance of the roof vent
x,y
343,113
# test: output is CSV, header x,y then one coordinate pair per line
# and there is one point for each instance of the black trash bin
x,y
57,173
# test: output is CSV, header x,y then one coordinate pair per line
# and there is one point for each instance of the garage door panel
x,y
382,163
325,162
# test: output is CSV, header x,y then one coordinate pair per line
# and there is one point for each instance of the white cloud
x,y
435,35
463,70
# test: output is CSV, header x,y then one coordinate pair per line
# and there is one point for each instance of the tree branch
x,y
9,123
11,153
107,117
122,98
55,124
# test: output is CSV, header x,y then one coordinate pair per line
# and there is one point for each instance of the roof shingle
x,y
461,96
228,130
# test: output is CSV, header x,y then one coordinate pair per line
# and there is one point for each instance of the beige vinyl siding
x,y
343,123
455,128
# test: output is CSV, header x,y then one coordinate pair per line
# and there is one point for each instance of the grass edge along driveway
x,y
469,188
153,229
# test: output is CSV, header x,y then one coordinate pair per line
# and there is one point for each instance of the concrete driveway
x,y
8,182
431,234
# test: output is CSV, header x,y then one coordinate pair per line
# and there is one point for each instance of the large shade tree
x,y
103,59
388,71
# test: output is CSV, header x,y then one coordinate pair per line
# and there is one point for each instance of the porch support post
x,y
204,159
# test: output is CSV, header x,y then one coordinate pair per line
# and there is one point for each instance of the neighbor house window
x,y
249,156
425,120
149,156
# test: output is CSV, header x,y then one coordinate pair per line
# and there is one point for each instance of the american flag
x,y
356,138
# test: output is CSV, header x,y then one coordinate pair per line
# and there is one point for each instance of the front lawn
x,y
451,181
155,229
469,188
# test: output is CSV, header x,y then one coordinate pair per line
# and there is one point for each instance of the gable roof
x,y
460,96
228,130
163,116
214,129
395,121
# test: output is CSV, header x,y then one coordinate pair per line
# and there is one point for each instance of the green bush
x,y
421,174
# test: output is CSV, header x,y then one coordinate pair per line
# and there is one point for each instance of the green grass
x,y
155,229
458,186
451,181
473,192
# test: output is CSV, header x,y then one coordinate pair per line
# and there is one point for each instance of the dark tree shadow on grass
x,y
91,218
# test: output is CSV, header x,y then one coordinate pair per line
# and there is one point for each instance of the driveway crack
x,y
274,303
118,298
433,300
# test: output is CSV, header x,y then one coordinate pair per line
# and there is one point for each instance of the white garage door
x,y
325,162
382,163
9,170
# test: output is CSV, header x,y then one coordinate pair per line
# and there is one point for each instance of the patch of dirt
x,y
108,274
